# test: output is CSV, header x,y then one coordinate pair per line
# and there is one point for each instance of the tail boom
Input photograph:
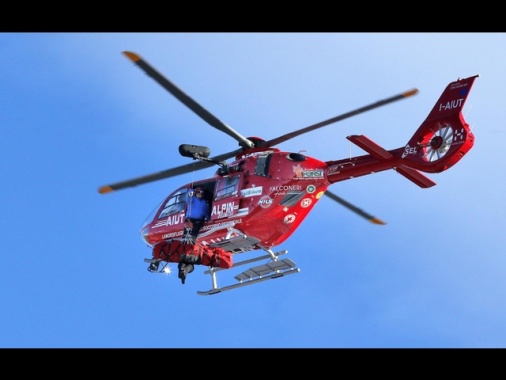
x,y
438,144
379,161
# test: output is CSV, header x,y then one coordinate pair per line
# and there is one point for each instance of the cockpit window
x,y
174,204
151,215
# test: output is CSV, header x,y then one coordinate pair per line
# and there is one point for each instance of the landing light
x,y
166,269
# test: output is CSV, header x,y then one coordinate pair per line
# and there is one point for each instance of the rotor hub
x,y
436,142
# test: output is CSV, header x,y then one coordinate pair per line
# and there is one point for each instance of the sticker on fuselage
x,y
289,219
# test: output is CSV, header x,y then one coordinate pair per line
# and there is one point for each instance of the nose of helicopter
x,y
144,235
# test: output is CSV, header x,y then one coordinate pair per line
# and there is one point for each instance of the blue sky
x,y
76,114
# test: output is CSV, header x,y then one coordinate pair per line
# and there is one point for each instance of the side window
x,y
174,204
226,187
262,165
291,199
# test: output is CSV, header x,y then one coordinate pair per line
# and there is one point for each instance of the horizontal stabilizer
x,y
370,147
382,154
415,176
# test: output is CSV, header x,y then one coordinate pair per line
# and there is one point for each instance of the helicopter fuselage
x,y
265,194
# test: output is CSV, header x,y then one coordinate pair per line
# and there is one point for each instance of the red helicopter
x,y
261,197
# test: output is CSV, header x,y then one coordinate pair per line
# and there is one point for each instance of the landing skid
x,y
275,268
241,243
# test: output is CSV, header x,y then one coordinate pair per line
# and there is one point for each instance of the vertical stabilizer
x,y
444,137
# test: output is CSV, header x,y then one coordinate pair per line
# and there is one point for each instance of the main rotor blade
x,y
187,101
243,142
353,208
346,115
153,177
165,173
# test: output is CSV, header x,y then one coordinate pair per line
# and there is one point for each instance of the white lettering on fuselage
x,y
172,235
409,150
224,210
171,220
213,226
452,104
175,219
285,188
